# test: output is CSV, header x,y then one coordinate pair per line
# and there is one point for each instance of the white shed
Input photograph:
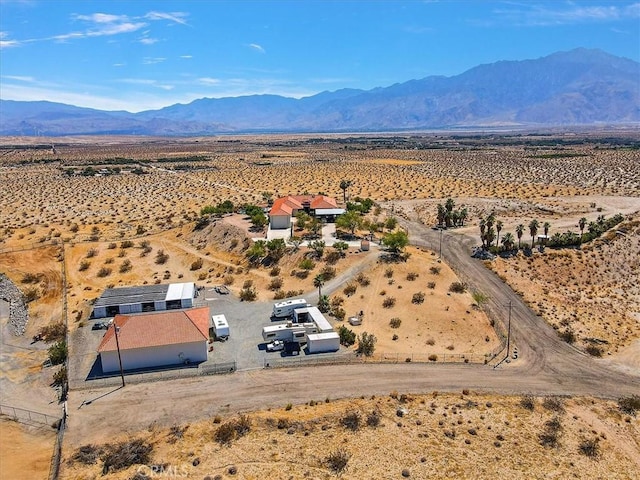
x,y
323,342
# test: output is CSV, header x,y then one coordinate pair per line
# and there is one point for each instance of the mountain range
x,y
578,87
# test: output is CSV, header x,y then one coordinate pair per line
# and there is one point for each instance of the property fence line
x,y
23,415
54,467
143,377
301,361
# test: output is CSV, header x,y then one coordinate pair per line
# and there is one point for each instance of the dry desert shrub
x,y
337,460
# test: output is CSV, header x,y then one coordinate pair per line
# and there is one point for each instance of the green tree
x,y
483,229
508,241
391,223
256,252
441,214
276,248
533,230
396,241
499,225
366,344
463,216
295,242
259,220
448,206
58,352
302,218
546,226
349,220
318,282
344,186
519,233
581,224
318,247
341,247
315,225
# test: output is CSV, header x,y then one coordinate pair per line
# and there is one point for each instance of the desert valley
x,y
525,358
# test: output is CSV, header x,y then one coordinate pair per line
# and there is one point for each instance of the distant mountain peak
x,y
577,87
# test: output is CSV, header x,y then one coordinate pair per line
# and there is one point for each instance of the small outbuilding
x,y
323,342
156,340
146,298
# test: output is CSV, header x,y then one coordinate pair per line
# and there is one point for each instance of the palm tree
x,y
507,241
533,230
344,185
441,214
318,282
463,216
448,206
491,219
483,227
519,232
581,224
546,228
498,228
490,235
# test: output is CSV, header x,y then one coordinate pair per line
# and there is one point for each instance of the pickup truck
x,y
275,346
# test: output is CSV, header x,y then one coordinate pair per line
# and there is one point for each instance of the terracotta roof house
x,y
315,205
156,340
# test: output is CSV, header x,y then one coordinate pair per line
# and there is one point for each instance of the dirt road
x,y
546,365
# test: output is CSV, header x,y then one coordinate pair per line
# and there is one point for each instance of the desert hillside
x,y
467,435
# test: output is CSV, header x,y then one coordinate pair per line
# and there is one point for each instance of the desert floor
x,y
469,435
148,192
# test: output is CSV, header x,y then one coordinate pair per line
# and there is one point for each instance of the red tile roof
x,y
155,329
286,205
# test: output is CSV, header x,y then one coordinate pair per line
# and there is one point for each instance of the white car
x,y
275,346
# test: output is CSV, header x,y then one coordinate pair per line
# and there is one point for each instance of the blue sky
x,y
139,55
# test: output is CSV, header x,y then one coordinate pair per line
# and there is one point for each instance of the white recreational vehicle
x,y
220,327
289,332
285,309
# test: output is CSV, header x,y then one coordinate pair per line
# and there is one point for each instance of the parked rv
x,y
220,327
285,309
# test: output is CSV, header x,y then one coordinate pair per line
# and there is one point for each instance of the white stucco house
x,y
156,340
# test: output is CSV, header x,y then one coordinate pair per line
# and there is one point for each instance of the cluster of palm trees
x,y
448,217
490,229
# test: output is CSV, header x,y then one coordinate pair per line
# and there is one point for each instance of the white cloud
x,y
209,81
20,78
186,56
104,24
152,60
176,17
257,47
534,15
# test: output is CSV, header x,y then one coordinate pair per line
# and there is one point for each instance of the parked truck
x,y
285,309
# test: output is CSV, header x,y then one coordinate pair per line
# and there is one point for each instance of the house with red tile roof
x,y
319,206
156,340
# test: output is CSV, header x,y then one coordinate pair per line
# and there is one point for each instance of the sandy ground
x,y
26,450
444,323
438,436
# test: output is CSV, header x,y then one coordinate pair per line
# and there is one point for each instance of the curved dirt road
x,y
546,365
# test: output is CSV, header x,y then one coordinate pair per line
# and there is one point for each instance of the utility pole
x,y
509,306
117,330
440,254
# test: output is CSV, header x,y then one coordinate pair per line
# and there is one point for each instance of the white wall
x,y
154,356
280,221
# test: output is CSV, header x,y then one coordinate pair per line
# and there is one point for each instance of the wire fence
x,y
155,376
307,361
27,416
54,467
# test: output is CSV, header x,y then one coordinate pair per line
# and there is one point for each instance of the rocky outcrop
x,y
18,313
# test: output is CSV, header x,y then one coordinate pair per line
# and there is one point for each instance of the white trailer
x,y
289,332
220,327
285,309
323,342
